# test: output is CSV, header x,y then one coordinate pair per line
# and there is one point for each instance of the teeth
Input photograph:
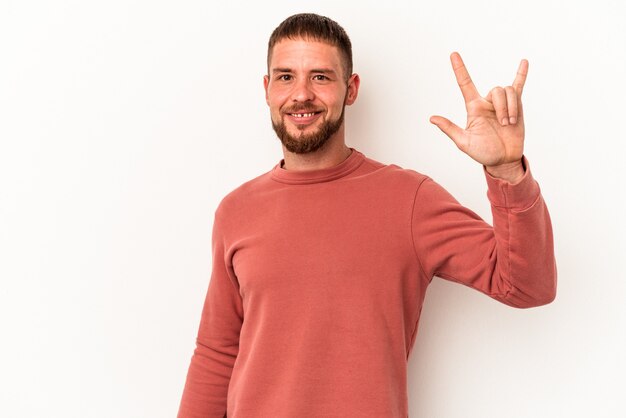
x,y
303,115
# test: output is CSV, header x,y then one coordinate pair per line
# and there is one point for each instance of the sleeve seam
x,y
527,208
446,276
417,257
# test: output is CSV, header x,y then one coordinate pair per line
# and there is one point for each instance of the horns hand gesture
x,y
494,135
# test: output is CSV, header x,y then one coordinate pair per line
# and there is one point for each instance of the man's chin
x,y
304,144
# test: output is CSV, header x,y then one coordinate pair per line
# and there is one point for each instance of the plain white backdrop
x,y
123,123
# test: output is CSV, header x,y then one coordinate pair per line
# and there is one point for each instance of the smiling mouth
x,y
303,115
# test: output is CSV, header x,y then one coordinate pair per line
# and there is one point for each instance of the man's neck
x,y
330,155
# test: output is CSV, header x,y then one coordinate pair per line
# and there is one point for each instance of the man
x,y
320,266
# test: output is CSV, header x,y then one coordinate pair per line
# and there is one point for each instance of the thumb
x,y
453,131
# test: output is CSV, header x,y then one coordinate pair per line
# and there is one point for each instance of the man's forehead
x,y
302,49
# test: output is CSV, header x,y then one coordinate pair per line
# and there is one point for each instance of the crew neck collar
x,y
342,169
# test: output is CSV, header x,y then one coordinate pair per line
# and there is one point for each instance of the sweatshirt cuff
x,y
519,196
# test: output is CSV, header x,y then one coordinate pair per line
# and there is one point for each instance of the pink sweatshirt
x,y
319,278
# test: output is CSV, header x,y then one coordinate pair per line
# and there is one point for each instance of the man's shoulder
x,y
396,173
245,193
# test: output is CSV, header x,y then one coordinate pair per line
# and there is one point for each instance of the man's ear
x,y
266,83
353,88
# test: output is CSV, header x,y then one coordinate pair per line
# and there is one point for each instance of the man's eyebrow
x,y
315,70
323,70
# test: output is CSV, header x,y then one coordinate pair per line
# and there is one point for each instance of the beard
x,y
306,143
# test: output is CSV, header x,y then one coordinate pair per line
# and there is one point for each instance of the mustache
x,y
304,108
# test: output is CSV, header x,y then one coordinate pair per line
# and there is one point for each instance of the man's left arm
x,y
512,262
522,256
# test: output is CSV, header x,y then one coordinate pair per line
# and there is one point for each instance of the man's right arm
x,y
217,344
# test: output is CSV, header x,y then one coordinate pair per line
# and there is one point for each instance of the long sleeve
x,y
512,262
217,344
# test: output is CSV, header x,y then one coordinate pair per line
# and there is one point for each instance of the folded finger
x,y
511,103
498,98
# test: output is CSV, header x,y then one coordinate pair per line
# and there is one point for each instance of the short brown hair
x,y
314,27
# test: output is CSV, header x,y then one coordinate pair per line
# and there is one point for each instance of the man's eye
x,y
320,77
284,77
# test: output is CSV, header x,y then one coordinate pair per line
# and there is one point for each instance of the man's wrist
x,y
511,172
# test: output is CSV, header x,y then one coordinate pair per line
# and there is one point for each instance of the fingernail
x,y
512,120
505,121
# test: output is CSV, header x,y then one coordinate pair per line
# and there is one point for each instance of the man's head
x,y
313,27
309,81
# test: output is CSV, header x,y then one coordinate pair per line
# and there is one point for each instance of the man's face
x,y
306,91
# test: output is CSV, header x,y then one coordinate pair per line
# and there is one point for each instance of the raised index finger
x,y
520,78
463,78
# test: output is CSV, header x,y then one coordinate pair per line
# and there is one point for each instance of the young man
x,y
320,266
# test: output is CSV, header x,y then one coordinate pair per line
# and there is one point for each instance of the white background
x,y
123,123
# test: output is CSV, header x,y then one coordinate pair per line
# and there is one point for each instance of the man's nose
x,y
302,91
